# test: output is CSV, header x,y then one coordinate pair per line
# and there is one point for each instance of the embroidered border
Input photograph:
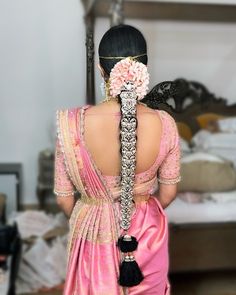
x,y
169,181
68,146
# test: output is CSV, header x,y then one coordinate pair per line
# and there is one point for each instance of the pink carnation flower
x,y
128,70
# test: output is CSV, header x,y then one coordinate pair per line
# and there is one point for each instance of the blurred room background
x,y
43,69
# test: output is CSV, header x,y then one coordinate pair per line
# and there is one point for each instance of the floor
x,y
217,283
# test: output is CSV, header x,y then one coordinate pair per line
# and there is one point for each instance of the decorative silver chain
x,y
128,150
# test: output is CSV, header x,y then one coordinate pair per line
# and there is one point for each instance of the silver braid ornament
x,y
128,151
130,273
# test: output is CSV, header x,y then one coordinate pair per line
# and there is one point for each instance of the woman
x,y
126,174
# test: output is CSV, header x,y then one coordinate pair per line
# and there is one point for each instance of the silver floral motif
x,y
128,151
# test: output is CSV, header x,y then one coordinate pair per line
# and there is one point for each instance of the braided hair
x,y
123,47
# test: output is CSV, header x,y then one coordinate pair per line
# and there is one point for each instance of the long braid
x,y
128,81
123,57
130,273
128,139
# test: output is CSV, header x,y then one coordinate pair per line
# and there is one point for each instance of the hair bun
x,y
131,75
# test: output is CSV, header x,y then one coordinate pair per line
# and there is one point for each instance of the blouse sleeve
x,y
63,185
169,171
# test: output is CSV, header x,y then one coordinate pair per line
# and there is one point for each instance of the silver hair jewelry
x,y
130,273
128,150
128,93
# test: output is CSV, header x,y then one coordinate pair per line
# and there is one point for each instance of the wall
x,y
205,52
42,68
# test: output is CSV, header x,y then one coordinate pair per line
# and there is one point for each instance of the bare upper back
x,y
101,136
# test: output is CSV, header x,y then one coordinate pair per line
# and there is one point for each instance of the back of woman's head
x,y
121,41
123,57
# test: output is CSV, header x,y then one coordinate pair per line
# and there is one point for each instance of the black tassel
x,y
127,243
130,273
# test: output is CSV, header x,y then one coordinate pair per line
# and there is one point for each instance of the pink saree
x,y
93,257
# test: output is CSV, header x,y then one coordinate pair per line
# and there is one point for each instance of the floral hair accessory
x,y
129,71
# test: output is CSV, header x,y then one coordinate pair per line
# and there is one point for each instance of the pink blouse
x,y
165,169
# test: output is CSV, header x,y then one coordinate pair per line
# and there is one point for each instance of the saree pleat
x,y
96,254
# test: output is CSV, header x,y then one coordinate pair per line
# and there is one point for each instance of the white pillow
x,y
221,197
204,140
201,156
199,138
184,146
226,153
227,125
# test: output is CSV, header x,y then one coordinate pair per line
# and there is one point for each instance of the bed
x,y
202,237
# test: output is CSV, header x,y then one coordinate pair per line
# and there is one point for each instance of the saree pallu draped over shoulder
x,y
93,257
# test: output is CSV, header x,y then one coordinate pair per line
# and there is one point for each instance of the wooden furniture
x,y
194,106
45,176
196,246
202,246
189,10
193,247
2,208
14,169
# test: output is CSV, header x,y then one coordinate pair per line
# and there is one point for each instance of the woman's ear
x,y
102,72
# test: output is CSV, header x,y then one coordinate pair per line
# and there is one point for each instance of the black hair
x,y
124,41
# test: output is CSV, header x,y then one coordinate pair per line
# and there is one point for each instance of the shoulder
x,y
168,120
66,117
146,112
170,129
166,116
67,120
69,111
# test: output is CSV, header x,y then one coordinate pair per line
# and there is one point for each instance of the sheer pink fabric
x,y
93,257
